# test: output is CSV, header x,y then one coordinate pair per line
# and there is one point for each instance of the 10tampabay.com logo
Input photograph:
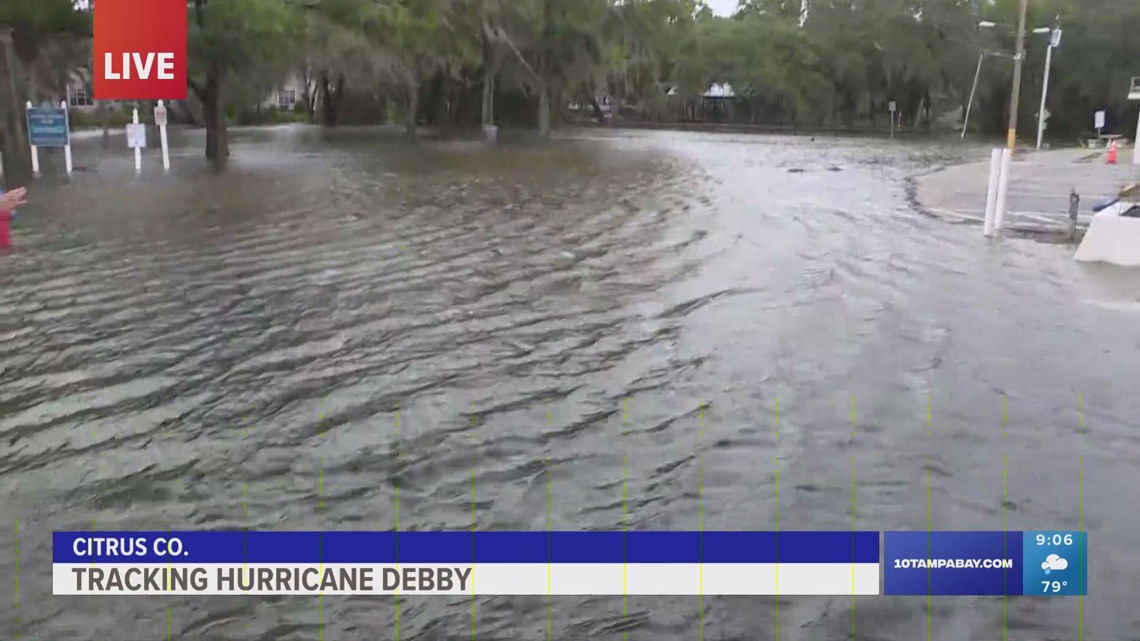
x,y
140,50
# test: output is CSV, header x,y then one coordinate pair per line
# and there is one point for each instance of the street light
x,y
1054,42
973,90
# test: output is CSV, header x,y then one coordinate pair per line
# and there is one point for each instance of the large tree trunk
x,y
15,153
309,95
412,104
104,120
442,107
331,100
556,105
217,138
544,110
491,63
488,108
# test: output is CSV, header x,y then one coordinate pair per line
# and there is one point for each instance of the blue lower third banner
x,y
466,563
1049,563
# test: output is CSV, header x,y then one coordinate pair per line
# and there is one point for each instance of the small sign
x,y
1055,40
893,107
136,136
1098,119
48,127
160,116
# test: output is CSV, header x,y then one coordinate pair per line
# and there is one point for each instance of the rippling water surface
x,y
226,351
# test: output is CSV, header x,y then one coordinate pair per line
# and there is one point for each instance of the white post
x,y
35,150
992,192
67,147
1136,143
161,120
1044,92
138,151
1003,188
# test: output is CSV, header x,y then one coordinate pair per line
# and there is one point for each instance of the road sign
x,y
1055,38
136,136
1098,120
893,107
48,127
160,115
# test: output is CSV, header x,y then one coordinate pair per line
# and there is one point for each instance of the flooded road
x,y
284,345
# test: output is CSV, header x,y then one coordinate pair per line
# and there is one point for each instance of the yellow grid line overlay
x,y
473,453
396,485
777,523
165,580
701,406
701,522
549,615
244,507
852,518
625,531
170,566
320,540
1081,516
1004,503
929,521
549,622
17,605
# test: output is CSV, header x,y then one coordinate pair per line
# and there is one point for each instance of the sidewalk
x,y
1039,187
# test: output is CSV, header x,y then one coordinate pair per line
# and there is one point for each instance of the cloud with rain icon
x,y
1054,562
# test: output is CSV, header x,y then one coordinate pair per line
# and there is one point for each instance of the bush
x,y
115,118
251,116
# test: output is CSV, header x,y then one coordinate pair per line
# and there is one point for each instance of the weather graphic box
x,y
1055,563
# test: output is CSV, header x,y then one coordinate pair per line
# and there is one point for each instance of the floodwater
x,y
231,350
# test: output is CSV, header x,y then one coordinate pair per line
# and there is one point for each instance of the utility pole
x,y
1015,93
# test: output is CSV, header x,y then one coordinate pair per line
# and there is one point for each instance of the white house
x,y
288,94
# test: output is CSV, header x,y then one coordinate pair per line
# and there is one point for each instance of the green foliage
x,y
823,62
41,18
114,118
244,37
249,116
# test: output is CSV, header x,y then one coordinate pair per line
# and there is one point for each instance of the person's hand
x,y
13,199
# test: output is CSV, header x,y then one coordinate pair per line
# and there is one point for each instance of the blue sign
x,y
953,563
843,548
48,127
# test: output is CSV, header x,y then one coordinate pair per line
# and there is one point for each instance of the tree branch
x,y
523,61
196,88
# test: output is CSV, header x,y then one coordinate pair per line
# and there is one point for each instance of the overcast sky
x,y
722,7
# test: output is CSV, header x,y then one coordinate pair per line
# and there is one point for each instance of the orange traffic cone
x,y
1112,153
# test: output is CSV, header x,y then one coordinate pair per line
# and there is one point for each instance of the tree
x,y
229,40
35,30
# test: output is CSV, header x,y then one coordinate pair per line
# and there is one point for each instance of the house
x,y
79,92
289,93
79,96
